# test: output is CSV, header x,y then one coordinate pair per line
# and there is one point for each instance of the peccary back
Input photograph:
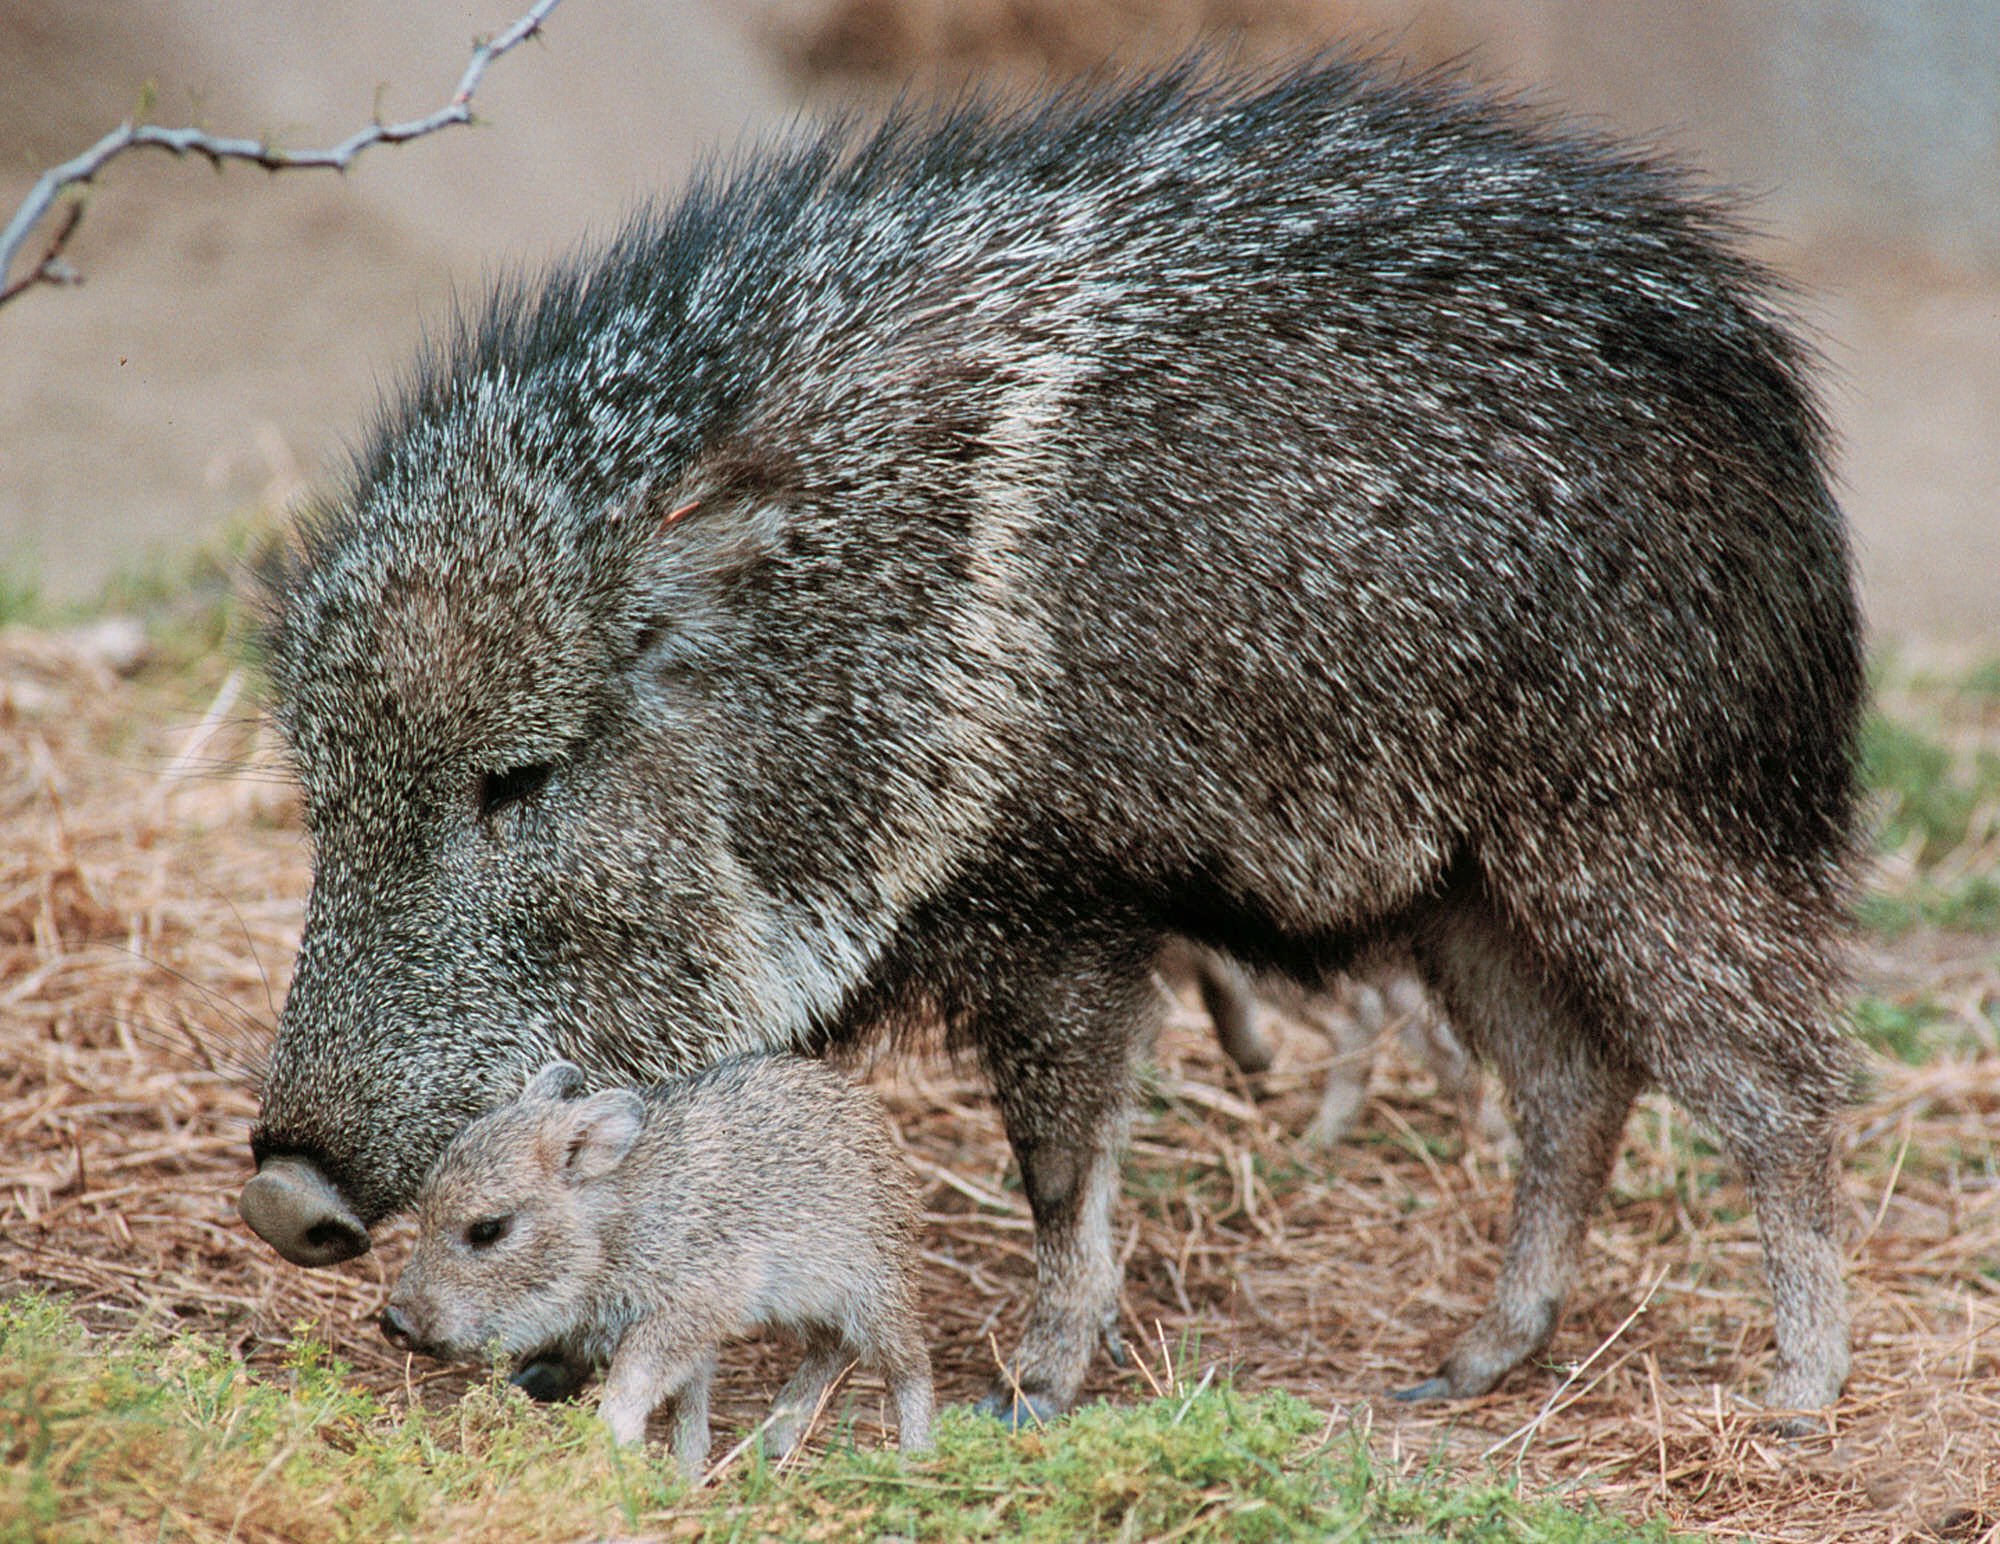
x,y
918,571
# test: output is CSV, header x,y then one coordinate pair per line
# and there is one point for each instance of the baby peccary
x,y
644,1229
1353,1013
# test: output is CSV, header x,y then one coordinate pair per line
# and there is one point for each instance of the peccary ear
x,y
558,1080
602,1130
700,554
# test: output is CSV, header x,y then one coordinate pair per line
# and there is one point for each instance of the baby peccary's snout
x,y
643,1230
396,1329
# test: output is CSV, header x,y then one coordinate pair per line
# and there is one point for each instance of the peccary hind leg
x,y
1735,1019
1721,996
1061,1064
895,1346
907,1367
1230,1000
1572,1093
1774,1098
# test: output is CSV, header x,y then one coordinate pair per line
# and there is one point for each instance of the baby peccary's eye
x,y
497,790
487,1232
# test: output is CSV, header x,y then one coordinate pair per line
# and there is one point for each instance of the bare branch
x,y
51,269
181,142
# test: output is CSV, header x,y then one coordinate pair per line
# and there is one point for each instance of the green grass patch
x,y
172,1439
1967,905
1902,1030
1693,1171
189,598
1913,1031
20,597
1930,796
1983,681
1930,757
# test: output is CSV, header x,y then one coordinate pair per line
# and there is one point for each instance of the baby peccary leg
x,y
1230,999
798,1401
897,1350
1066,1104
1351,1022
1571,1099
651,1366
907,1367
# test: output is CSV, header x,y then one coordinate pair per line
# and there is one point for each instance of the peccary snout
x,y
396,1329
292,1207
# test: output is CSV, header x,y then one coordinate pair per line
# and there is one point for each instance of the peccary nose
x,y
396,1329
292,1207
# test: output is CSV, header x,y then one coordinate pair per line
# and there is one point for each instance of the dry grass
x,y
144,902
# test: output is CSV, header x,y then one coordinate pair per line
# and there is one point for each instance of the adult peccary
x,y
919,571
644,1230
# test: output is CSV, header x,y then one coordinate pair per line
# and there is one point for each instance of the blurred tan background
x,y
234,327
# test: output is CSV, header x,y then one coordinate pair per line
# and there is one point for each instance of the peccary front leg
x,y
651,1367
792,1411
1062,1070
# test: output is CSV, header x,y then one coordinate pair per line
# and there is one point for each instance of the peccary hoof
x,y
548,1380
1020,1410
1421,1393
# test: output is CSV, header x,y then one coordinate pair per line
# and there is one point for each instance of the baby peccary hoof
x,y
549,1380
1021,1410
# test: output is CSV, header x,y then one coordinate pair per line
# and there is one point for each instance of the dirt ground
x,y
152,874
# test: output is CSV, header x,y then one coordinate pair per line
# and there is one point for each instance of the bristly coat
x,y
918,570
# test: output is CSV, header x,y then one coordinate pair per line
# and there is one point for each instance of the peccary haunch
x,y
918,572
644,1230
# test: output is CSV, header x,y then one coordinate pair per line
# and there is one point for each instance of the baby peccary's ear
x,y
558,1080
602,1129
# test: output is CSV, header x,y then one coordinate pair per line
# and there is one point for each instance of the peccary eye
x,y
497,790
487,1232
